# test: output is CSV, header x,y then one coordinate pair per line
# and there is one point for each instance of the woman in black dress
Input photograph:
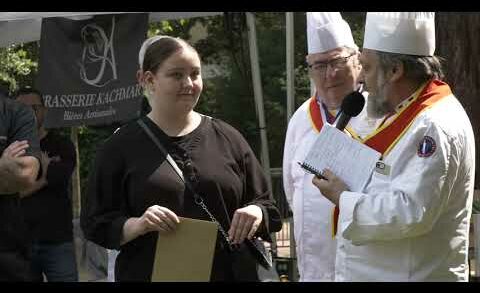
x,y
133,192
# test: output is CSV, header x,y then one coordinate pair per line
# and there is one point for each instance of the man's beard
x,y
377,106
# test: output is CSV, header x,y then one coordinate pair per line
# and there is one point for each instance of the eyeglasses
x,y
320,67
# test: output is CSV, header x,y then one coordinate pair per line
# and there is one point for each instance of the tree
x,y
458,43
18,64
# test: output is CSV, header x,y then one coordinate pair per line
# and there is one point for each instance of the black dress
x,y
131,175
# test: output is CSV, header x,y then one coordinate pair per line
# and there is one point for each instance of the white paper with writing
x,y
346,157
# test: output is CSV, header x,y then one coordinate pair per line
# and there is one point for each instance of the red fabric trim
x,y
432,93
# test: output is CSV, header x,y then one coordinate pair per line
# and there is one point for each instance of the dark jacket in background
x,y
17,122
48,211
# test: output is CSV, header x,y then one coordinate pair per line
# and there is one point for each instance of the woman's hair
x,y
417,68
160,50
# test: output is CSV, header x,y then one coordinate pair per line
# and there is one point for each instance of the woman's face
x,y
177,83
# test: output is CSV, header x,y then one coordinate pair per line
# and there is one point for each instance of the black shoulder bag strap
x,y
255,245
197,197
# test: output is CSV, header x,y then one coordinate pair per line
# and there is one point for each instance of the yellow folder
x,y
187,253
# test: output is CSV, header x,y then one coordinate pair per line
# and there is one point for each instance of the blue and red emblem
x,y
426,147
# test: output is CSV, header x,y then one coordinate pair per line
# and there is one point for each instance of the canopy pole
x,y
258,94
290,51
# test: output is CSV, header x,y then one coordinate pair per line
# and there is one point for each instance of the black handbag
x,y
255,245
257,248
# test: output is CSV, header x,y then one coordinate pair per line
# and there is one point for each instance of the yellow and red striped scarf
x,y
386,137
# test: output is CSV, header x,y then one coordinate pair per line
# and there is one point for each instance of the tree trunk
x,y
457,40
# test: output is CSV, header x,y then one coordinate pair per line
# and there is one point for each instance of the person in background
x,y
411,221
47,205
19,168
133,193
334,68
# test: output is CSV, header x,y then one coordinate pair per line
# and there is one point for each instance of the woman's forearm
x,y
131,230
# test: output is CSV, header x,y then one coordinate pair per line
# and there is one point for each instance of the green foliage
x,y
18,64
89,139
356,20
476,207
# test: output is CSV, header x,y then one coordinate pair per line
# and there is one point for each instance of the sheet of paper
x,y
346,157
187,253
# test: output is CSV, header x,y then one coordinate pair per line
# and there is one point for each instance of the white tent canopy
x,y
24,27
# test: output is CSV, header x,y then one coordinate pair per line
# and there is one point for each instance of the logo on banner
x,y
97,65
86,69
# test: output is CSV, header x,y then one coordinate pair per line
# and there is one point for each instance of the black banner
x,y
88,69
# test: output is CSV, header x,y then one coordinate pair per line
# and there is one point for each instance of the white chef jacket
x,y
413,224
312,212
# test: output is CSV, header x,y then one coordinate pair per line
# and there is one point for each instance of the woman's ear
x,y
148,81
140,77
148,78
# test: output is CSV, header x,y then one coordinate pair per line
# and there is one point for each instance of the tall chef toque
x,y
327,31
410,33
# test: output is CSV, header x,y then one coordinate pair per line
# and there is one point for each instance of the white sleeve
x,y
288,151
416,196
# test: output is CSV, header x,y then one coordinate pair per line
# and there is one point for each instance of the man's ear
x,y
357,61
397,71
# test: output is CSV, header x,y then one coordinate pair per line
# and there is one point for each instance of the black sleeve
x,y
24,127
102,215
258,193
256,190
59,173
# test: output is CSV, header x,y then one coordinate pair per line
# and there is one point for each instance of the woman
x,y
134,193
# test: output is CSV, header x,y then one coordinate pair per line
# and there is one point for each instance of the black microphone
x,y
352,105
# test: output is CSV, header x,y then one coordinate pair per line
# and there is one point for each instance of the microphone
x,y
352,105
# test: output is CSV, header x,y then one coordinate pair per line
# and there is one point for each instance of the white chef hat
x,y
411,33
145,45
327,31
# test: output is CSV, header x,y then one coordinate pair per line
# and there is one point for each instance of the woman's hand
x,y
245,223
158,218
155,218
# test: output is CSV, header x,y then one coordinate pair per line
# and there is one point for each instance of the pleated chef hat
x,y
327,31
411,33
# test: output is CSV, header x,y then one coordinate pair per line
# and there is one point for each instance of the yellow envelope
x,y
187,253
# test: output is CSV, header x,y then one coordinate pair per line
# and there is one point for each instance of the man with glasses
x,y
47,205
334,68
19,168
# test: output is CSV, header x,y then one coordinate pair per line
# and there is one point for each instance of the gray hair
x,y
417,68
351,50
